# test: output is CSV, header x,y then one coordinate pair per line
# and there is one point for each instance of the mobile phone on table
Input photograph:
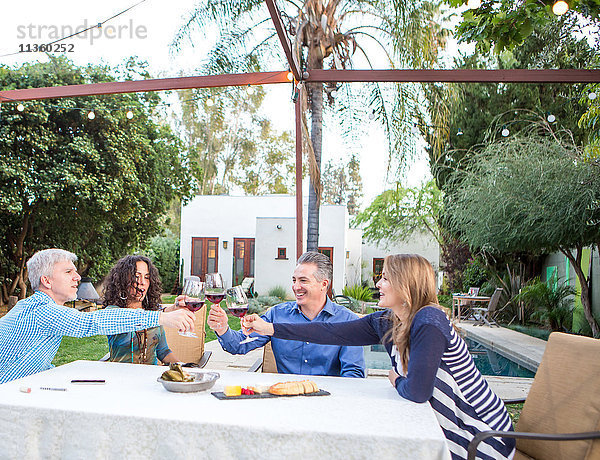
x,y
89,381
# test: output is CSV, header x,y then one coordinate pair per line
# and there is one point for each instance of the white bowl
x,y
202,381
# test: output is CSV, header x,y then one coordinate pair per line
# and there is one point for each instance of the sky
x,y
146,31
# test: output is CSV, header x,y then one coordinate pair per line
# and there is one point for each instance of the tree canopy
x,y
97,187
530,193
342,184
476,114
505,24
229,144
396,215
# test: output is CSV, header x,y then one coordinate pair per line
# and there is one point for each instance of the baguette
x,y
294,388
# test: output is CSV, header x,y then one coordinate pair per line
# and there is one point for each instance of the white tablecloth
x,y
133,416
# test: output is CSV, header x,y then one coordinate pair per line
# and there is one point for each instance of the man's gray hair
x,y
324,265
42,264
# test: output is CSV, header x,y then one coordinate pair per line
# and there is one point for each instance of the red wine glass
x,y
214,288
237,304
193,290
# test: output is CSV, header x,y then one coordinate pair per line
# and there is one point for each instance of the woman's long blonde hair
x,y
413,278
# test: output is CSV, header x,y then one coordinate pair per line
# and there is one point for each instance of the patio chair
x,y
562,405
344,301
266,363
248,286
486,314
189,350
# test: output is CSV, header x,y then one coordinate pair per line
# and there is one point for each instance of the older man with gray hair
x,y
310,283
31,332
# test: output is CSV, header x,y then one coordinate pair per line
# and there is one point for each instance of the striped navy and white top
x,y
31,332
440,370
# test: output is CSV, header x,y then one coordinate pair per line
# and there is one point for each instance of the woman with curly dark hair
x,y
134,282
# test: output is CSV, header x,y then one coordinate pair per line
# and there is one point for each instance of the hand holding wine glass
x,y
194,297
254,323
217,319
237,304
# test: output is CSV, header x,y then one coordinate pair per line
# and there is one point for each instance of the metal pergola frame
x,y
312,76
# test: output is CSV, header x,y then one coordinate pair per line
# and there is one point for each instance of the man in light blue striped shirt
x,y
31,332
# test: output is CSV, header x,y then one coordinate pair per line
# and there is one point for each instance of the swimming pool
x,y
487,361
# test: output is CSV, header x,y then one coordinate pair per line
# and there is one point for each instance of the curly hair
x,y
122,278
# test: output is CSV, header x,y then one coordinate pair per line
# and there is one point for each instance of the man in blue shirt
x,y
310,283
31,332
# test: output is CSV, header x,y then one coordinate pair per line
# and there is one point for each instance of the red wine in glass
x,y
193,290
194,305
238,310
237,304
215,298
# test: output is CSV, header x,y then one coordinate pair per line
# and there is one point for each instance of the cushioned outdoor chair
x,y
485,315
560,419
266,363
190,350
344,301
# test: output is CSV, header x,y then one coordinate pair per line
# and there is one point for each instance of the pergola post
x,y
299,221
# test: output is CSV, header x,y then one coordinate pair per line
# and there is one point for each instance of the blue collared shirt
x,y
31,332
294,357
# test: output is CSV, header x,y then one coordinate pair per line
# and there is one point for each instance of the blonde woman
x,y
430,361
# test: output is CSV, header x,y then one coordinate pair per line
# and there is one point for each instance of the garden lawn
x,y
88,348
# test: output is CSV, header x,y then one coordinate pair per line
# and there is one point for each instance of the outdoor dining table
x,y
133,416
460,299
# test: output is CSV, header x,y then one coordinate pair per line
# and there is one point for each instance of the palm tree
x,y
327,34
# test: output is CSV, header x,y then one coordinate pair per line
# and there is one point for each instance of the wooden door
x,y
243,259
205,256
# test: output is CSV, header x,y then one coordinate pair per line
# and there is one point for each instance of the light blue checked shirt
x,y
31,332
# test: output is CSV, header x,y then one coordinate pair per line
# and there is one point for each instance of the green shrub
x,y
267,300
445,300
474,274
551,306
278,291
358,292
164,253
255,307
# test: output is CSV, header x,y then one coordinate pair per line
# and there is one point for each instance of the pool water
x,y
487,361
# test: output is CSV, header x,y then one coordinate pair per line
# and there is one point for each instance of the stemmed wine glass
x,y
214,287
193,290
237,304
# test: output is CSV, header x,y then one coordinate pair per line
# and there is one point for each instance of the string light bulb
x,y
129,115
210,102
290,76
560,7
91,115
20,107
250,90
551,118
505,131
592,96
473,4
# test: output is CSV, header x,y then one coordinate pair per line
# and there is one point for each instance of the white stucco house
x,y
255,236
